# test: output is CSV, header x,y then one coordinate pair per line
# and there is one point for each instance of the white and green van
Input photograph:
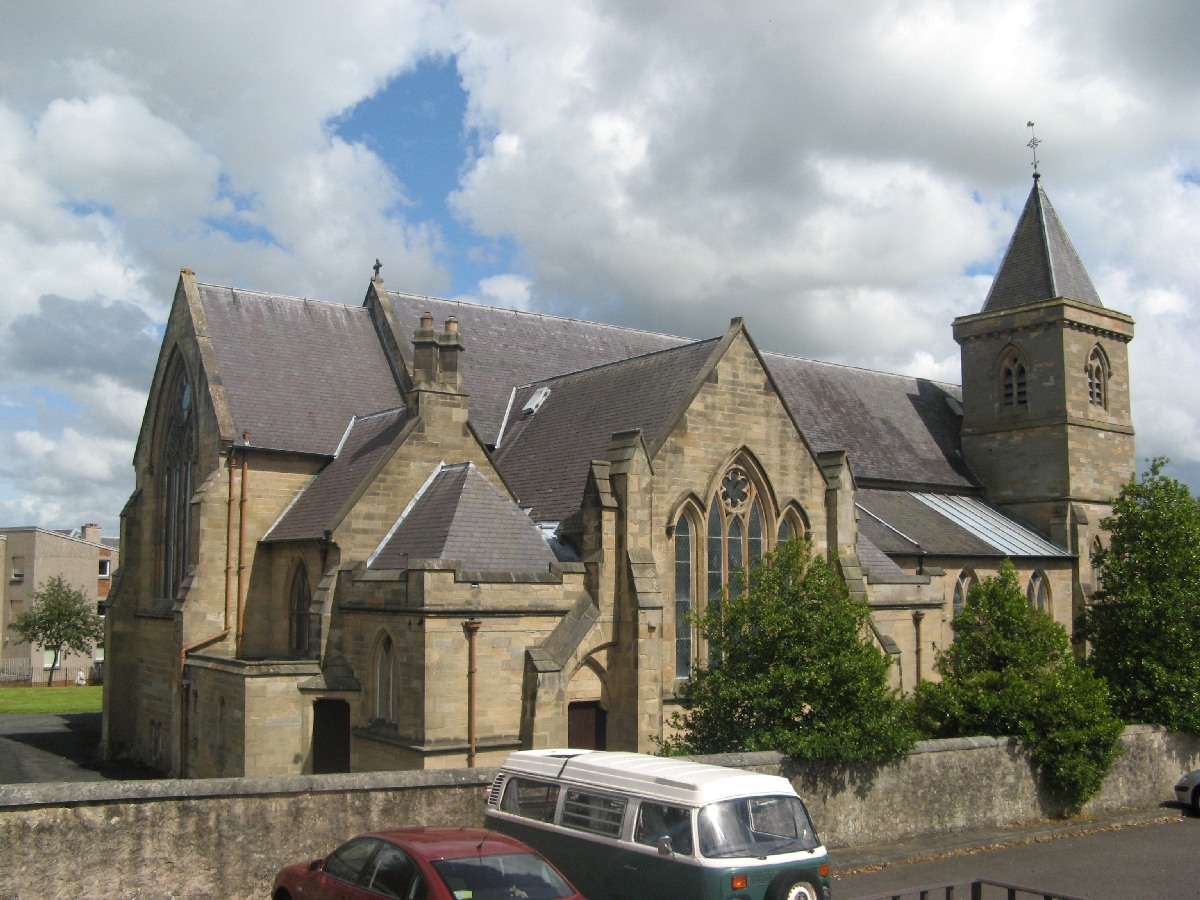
x,y
628,826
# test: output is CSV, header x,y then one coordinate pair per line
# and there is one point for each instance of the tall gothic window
x,y
300,601
735,535
1014,381
1039,591
1097,379
683,598
177,467
385,682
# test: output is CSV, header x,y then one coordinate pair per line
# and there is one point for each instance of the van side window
x,y
658,821
531,799
593,812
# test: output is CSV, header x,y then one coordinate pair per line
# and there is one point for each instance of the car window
x,y
347,861
391,873
502,877
657,820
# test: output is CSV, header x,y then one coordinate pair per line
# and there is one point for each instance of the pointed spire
x,y
1040,263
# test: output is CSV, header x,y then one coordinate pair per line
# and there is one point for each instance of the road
x,y
1156,860
55,747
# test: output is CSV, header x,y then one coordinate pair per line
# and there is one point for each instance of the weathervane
x,y
1033,145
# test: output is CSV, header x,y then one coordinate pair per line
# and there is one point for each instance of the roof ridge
x,y
273,296
837,365
543,315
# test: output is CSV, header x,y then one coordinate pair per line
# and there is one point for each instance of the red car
x,y
427,864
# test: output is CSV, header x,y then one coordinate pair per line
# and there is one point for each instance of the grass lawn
x,y
31,700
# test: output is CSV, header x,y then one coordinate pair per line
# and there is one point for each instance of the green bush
x,y
1144,622
795,673
1010,672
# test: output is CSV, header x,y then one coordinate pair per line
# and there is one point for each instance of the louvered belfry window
x,y
1014,381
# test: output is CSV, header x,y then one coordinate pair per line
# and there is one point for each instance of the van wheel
x,y
792,887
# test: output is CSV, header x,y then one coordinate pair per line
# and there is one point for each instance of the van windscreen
x,y
755,826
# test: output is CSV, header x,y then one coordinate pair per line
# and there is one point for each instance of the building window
x,y
792,527
1094,562
1039,591
1097,379
962,590
301,600
385,683
177,468
106,568
1014,381
683,597
17,570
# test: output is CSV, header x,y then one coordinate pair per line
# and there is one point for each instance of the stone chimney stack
x,y
437,367
90,532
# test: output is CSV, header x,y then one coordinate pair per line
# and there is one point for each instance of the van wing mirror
x,y
664,846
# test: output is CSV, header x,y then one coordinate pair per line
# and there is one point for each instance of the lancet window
x,y
1014,381
299,603
177,467
1097,379
1038,591
385,682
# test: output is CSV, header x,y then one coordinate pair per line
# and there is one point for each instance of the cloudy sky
x,y
843,174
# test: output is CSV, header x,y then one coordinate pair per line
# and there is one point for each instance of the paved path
x,y
55,747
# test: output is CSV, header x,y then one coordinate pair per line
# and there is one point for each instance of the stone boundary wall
x,y
226,837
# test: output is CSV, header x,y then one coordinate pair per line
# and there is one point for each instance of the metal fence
x,y
20,672
977,889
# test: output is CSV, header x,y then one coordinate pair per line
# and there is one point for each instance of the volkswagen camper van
x,y
628,826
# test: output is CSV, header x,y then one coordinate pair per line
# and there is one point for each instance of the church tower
x,y
1046,422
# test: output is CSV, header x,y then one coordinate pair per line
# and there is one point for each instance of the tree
x,y
60,616
1144,622
1010,672
791,670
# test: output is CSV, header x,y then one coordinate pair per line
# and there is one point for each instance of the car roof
x,y
643,775
452,843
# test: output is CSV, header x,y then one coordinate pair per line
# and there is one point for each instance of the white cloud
x,y
841,175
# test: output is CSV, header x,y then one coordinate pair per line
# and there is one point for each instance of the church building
x,y
418,533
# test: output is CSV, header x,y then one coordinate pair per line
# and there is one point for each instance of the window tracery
x,y
962,590
709,557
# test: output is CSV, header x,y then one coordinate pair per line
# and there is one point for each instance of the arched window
x,y
385,683
300,601
683,597
962,590
792,527
177,467
1014,381
1039,591
1097,378
735,535
1094,562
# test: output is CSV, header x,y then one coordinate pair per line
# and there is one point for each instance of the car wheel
x,y
281,894
1196,801
792,887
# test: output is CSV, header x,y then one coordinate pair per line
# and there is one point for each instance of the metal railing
x,y
976,889
17,672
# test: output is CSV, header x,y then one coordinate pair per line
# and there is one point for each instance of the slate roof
x,y
545,456
503,348
897,429
908,523
1041,262
461,517
365,447
295,371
